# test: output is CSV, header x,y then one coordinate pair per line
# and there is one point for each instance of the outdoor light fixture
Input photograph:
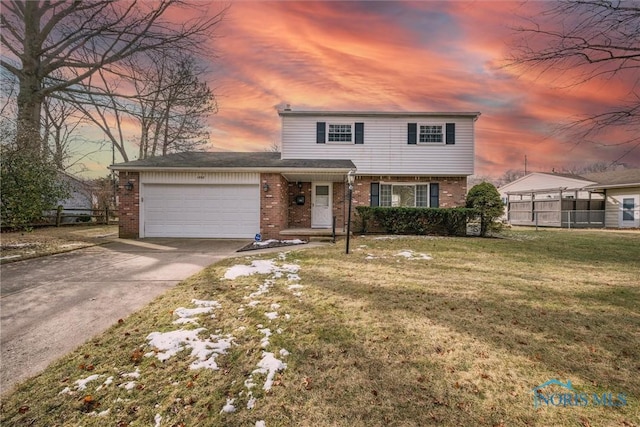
x,y
265,187
351,176
129,186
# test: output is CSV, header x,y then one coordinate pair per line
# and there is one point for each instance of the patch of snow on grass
x,y
269,365
128,386
251,403
134,374
296,286
106,383
256,267
409,254
82,383
272,315
168,344
157,419
283,352
228,408
253,303
260,424
264,342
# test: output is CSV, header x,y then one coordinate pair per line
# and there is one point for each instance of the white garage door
x,y
182,210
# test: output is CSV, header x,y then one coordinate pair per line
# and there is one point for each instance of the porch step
x,y
316,234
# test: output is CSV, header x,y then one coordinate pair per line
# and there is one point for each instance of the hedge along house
x,y
400,159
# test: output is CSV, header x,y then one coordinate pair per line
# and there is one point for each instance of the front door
x,y
321,205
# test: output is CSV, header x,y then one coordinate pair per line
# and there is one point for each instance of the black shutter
x,y
320,132
451,133
375,194
412,133
359,133
434,195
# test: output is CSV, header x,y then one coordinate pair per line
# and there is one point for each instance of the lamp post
x,y
351,176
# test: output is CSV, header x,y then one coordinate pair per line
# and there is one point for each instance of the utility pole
x,y
525,164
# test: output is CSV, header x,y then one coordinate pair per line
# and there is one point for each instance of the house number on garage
x,y
200,177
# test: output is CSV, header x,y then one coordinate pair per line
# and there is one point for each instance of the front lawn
x,y
404,331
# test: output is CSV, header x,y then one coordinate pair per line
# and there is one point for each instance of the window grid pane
x,y
339,133
422,195
403,196
431,133
385,195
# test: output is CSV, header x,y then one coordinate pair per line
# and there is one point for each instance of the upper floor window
x,y
431,133
340,133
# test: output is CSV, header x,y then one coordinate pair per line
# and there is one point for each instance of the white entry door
x,y
629,214
321,205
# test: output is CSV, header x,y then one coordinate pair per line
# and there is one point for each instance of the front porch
x,y
312,233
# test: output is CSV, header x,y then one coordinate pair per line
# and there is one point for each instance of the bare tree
x,y
582,41
78,39
510,176
172,105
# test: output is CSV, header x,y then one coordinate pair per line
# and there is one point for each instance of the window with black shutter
x,y
375,194
412,133
451,133
359,133
321,128
434,195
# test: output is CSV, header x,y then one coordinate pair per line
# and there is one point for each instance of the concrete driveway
x,y
51,305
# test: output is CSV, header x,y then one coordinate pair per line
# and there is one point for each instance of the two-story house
x,y
399,159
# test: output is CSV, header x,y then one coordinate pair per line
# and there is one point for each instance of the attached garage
x,y
217,194
192,210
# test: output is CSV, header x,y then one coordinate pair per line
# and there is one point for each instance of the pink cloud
x,y
397,56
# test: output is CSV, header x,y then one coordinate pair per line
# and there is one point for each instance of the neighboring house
x,y
541,181
622,193
80,199
607,199
400,159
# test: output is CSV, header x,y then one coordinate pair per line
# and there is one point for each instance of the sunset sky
x,y
401,56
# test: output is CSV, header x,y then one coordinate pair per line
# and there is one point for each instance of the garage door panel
x,y
225,211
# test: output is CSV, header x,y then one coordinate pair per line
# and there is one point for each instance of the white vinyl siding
x,y
385,150
614,207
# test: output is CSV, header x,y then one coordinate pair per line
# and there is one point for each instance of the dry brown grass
x,y
38,242
378,339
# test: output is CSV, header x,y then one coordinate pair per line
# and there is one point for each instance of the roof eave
x,y
471,114
227,169
607,186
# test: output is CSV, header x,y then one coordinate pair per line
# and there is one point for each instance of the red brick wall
x,y
299,215
273,205
453,190
129,206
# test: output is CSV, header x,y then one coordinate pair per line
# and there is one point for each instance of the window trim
x,y
351,124
442,133
415,193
